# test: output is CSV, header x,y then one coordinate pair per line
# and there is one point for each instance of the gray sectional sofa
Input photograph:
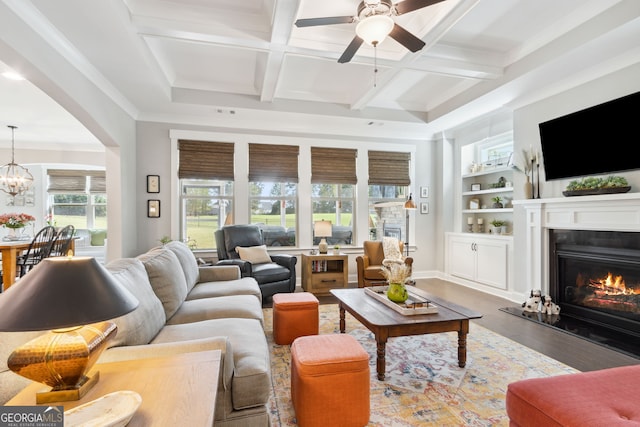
x,y
186,308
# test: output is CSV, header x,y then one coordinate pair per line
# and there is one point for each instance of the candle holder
x,y
533,192
538,179
480,228
470,228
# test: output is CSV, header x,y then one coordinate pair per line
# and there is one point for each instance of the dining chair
x,y
62,242
39,248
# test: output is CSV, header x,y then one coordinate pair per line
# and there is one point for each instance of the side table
x,y
175,390
321,273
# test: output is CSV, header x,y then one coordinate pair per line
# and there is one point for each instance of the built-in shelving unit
x,y
477,204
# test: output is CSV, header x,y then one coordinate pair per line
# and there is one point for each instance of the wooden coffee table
x,y
386,323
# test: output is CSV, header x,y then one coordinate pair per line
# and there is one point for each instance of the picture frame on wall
x,y
424,192
424,208
153,183
153,208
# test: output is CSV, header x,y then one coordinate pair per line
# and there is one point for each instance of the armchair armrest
x,y
246,270
288,261
216,273
362,262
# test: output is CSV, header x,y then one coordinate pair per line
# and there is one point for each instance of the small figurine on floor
x,y
533,303
550,307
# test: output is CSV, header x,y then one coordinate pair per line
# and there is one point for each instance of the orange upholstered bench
x,y
330,381
294,315
604,398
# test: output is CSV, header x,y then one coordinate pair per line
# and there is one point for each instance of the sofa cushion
x,y
187,261
231,306
254,254
251,376
244,286
143,323
166,278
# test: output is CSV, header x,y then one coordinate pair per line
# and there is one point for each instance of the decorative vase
x,y
15,233
397,292
528,190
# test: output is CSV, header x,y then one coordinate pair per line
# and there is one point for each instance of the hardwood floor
x,y
571,350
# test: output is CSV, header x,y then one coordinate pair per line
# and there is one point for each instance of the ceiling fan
x,y
374,24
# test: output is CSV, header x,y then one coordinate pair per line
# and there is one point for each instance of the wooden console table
x,y
175,390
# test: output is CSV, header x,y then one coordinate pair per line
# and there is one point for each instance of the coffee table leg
x,y
381,360
343,324
462,344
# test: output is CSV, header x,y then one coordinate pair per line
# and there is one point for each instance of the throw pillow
x,y
254,254
97,237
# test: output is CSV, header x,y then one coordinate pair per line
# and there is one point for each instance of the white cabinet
x,y
482,259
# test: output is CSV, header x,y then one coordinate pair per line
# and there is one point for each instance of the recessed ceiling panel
x,y
206,66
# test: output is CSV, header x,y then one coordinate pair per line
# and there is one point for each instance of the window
x,y
206,174
206,207
333,178
388,183
77,198
273,181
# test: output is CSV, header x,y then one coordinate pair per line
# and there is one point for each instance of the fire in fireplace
x,y
595,276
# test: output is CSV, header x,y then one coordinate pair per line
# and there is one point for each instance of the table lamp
x,y
409,205
322,229
67,295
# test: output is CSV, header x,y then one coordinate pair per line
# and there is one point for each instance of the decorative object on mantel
x,y
528,158
595,185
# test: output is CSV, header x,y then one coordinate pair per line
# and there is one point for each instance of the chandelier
x,y
14,179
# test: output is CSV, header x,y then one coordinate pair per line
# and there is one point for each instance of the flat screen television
x,y
597,140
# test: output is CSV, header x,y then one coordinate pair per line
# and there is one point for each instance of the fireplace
x,y
595,277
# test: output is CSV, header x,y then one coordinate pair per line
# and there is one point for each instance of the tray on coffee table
x,y
416,304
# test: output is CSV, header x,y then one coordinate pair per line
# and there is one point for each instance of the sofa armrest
x,y
216,273
134,352
246,269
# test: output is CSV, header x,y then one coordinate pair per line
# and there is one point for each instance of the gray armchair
x,y
273,277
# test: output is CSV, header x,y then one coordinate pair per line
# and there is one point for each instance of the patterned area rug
x,y
423,384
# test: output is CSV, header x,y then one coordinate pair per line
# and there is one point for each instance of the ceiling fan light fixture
x,y
374,29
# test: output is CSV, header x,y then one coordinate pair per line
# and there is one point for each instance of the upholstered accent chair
x,y
243,245
370,264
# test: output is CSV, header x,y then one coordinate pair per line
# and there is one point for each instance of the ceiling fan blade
x,y
351,50
406,39
331,20
407,6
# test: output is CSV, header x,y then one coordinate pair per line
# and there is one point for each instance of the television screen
x,y
597,140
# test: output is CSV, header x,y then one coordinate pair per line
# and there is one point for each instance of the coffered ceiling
x,y
230,63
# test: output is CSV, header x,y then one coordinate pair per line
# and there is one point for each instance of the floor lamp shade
x,y
74,298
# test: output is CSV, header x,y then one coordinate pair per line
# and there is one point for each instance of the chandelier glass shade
x,y
374,29
14,179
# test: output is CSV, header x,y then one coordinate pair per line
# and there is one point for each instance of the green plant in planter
x,y
498,223
594,183
497,202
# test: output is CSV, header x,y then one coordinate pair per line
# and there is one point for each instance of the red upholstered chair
x,y
370,264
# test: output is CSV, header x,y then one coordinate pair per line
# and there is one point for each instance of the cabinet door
x,y
462,258
491,263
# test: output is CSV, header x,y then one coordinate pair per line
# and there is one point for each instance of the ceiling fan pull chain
x,y
375,64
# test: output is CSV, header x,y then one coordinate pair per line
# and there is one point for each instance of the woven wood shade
x,y
206,160
333,165
67,181
98,182
389,168
274,163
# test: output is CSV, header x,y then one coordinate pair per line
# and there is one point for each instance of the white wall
x,y
526,134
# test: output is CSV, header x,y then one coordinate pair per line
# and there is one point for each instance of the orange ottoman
x,y
294,315
330,381
607,397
